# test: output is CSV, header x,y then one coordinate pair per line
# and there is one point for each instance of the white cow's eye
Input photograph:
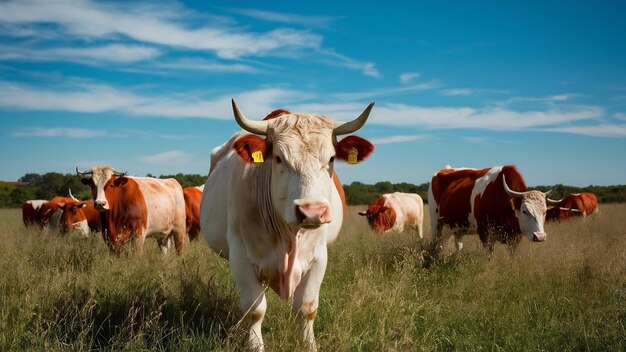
x,y
278,159
332,158
524,211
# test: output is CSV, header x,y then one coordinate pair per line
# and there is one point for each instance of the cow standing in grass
x,y
137,208
193,197
31,211
272,205
394,212
495,202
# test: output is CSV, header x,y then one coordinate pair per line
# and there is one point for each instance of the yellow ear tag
x,y
512,204
257,156
353,156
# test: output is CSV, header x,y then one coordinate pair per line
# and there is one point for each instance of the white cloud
x,y
474,140
58,132
603,130
115,53
171,157
164,25
454,92
409,76
387,91
93,98
620,116
96,98
398,139
206,66
289,18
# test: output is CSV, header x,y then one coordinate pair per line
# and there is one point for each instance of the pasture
x,y
380,293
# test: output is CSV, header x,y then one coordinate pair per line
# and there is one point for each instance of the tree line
x,y
51,184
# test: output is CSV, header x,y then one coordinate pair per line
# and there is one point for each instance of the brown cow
x,y
138,207
394,211
31,211
51,212
577,204
80,215
481,199
193,197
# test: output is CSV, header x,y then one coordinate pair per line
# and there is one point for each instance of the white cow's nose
x,y
539,236
313,213
101,205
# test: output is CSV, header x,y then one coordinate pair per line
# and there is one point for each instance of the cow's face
x,y
300,153
380,218
74,218
531,215
100,177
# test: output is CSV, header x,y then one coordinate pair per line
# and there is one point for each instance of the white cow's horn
x,y
118,173
72,196
354,125
83,173
510,192
553,202
256,127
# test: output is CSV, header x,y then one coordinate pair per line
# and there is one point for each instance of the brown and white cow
x,y
81,216
137,208
193,197
272,205
51,212
577,204
395,211
31,211
493,201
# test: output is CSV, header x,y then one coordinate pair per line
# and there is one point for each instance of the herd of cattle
x,y
273,202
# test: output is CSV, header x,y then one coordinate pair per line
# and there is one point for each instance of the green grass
x,y
61,293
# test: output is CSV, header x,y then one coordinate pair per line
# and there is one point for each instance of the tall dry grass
x,y
380,294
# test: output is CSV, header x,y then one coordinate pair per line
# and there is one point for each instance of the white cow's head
x,y
302,150
530,209
100,175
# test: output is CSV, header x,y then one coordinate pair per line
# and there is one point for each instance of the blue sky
x,y
145,86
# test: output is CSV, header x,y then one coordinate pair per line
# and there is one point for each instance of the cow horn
x,y
511,193
553,201
83,173
72,196
118,173
256,127
351,126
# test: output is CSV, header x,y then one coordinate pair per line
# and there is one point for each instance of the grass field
x,y
379,294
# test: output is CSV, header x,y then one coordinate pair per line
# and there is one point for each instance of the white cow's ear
x,y
251,148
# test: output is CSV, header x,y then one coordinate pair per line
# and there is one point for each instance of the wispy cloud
x,y
162,25
398,139
620,116
115,53
199,64
94,98
475,140
409,76
177,157
288,18
97,98
57,132
388,91
603,130
453,92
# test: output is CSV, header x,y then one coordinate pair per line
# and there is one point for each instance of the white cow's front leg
x,y
306,297
251,295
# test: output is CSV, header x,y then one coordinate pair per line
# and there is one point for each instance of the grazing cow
x,y
494,201
394,211
193,197
31,211
51,212
137,207
577,204
82,216
272,205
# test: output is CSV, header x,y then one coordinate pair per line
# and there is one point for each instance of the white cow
x,y
272,205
